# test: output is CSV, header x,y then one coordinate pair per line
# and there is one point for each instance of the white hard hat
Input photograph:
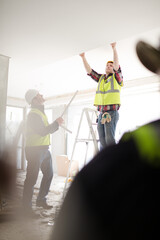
x,y
30,94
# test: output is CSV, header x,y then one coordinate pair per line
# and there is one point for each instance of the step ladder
x,y
91,115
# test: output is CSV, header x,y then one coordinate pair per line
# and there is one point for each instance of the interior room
x,y
39,49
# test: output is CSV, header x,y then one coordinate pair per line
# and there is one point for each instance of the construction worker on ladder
x,y
107,98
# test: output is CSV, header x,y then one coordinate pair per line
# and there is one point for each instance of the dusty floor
x,y
13,226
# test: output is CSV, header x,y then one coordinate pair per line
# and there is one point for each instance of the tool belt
x,y
106,117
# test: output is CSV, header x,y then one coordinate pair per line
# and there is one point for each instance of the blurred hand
x,y
59,120
82,54
113,45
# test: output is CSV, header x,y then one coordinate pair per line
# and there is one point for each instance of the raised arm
x,y
115,57
86,65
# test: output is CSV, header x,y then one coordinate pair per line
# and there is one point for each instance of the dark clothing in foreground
x,y
116,196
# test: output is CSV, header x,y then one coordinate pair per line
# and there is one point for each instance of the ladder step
x,y
86,140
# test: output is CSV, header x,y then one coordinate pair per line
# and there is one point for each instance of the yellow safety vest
x,y
108,91
147,141
34,139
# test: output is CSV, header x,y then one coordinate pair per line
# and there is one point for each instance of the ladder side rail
x,y
96,140
92,132
96,115
87,145
87,142
69,167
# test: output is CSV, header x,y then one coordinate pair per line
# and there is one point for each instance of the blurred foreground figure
x,y
7,175
116,196
149,56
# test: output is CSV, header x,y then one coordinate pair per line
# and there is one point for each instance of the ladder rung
x,y
85,140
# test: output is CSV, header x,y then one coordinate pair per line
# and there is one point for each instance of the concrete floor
x,y
14,227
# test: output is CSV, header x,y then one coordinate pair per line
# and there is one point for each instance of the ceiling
x,y
43,40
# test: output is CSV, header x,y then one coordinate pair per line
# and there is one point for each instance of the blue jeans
x,y
38,158
106,131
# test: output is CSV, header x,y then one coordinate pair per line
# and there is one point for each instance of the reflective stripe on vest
x,y
148,143
108,92
33,139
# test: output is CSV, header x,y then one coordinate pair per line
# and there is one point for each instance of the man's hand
x,y
59,120
82,54
113,45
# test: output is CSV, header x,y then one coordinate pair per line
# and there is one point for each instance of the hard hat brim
x,y
149,56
